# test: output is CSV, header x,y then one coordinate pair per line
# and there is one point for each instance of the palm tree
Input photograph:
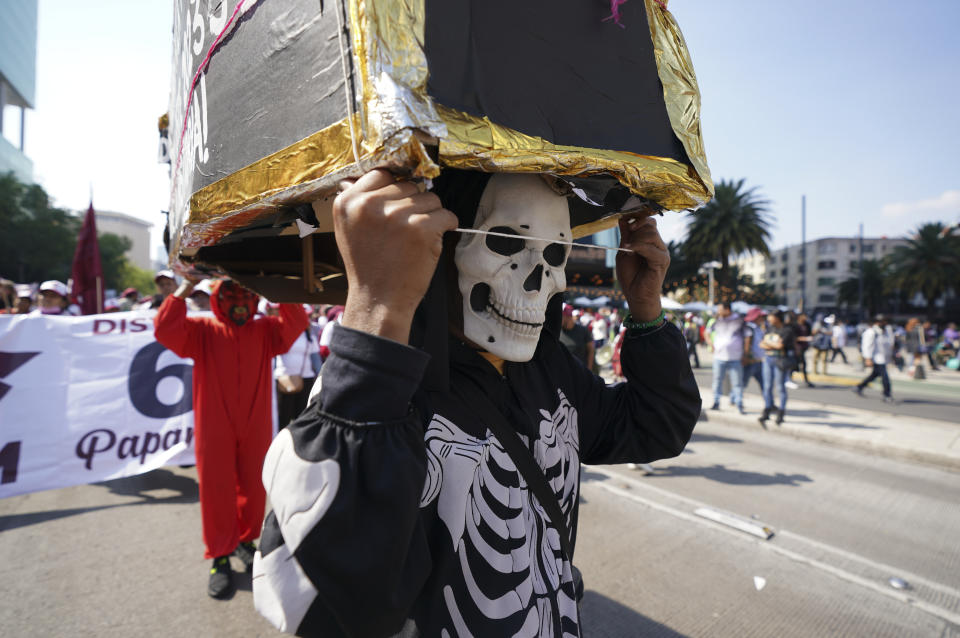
x,y
874,278
736,221
928,264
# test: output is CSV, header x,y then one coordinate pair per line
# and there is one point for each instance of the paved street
x,y
124,558
937,397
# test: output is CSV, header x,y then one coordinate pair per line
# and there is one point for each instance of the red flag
x,y
87,274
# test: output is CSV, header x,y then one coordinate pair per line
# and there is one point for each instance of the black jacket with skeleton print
x,y
397,512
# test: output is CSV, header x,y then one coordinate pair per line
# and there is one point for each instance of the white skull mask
x,y
506,282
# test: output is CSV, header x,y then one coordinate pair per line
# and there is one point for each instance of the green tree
x,y
874,280
37,240
112,258
133,277
929,264
736,221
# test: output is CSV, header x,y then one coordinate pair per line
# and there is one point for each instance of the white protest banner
x,y
86,399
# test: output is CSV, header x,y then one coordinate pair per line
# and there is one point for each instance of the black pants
x,y
879,370
835,352
289,406
802,364
692,352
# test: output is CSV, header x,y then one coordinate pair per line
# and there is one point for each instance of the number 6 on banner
x,y
144,379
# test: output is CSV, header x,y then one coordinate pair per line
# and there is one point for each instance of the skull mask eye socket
x,y
505,245
554,254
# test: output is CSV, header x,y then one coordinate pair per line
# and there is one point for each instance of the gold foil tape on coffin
x,y
681,94
479,144
299,173
386,39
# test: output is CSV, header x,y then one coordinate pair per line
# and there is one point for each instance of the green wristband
x,y
634,325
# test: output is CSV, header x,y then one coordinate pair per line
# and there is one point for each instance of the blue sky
x,y
852,103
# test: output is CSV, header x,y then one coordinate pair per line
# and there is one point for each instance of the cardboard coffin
x,y
274,101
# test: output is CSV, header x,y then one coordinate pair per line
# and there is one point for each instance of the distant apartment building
x,y
134,229
18,78
829,261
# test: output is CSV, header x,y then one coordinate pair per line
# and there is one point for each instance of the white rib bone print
x,y
496,524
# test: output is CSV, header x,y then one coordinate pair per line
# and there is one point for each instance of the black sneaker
x,y
779,417
221,578
715,406
858,391
245,552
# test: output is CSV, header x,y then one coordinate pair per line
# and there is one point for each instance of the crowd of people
x,y
769,346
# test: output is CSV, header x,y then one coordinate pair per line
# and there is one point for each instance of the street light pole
x,y
709,266
803,253
860,275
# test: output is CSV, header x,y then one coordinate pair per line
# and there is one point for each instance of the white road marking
x,y
843,574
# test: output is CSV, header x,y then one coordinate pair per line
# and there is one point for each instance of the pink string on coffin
x,y
193,84
615,10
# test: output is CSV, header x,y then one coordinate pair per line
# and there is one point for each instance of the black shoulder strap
x,y
532,473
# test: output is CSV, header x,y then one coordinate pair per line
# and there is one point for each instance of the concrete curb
x,y
949,459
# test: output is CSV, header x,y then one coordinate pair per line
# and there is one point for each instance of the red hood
x,y
218,311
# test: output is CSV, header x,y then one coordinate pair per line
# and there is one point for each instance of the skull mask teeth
x,y
506,282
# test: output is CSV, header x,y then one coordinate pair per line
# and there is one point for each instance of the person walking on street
x,y
753,352
726,339
915,343
691,332
429,489
877,351
838,340
930,341
804,334
779,343
821,340
577,338
232,378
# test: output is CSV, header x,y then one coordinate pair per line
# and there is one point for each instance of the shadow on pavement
x,y
14,521
836,424
923,402
712,438
722,474
606,618
813,414
162,479
587,475
184,487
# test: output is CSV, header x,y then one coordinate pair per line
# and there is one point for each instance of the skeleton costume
x,y
396,510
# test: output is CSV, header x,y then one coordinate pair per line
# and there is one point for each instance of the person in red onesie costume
x,y
232,379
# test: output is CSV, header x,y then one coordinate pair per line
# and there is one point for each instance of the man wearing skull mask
x,y
396,509
232,354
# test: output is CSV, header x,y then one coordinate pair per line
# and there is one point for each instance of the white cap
x,y
24,291
165,273
204,287
56,286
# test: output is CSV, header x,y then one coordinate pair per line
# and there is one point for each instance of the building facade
x,y
134,229
829,261
18,77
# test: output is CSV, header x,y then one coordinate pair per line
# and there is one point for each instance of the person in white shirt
x,y
838,340
726,338
877,351
294,374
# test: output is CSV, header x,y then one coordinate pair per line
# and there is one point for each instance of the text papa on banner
x,y
86,399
